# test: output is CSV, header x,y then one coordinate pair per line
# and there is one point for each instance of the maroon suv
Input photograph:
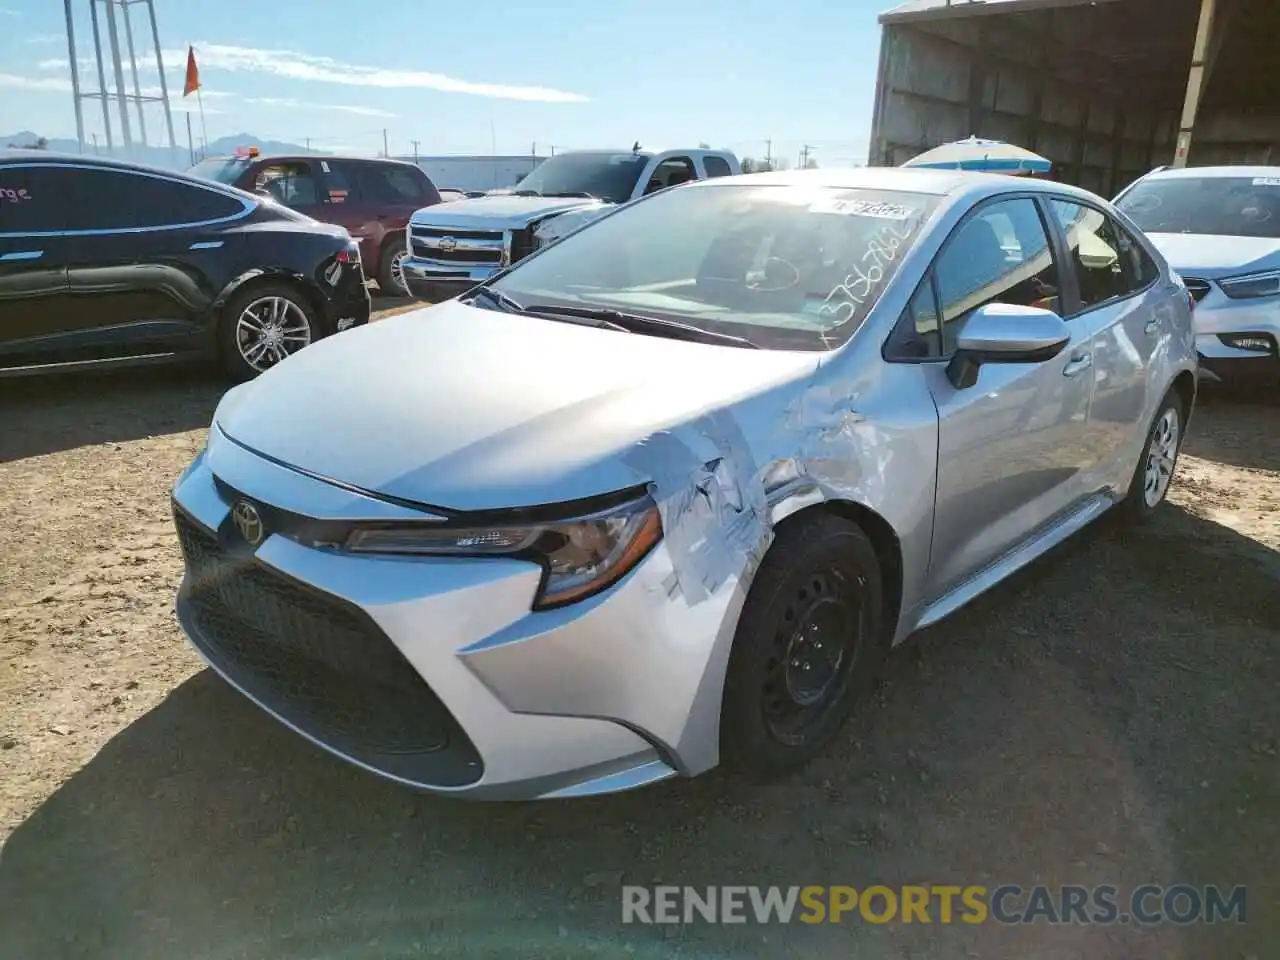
x,y
373,199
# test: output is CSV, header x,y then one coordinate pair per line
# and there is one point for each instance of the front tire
x,y
262,326
390,272
1154,473
808,647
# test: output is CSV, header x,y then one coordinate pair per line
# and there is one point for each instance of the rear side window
x,y
35,199
717,167
1109,263
122,200
392,183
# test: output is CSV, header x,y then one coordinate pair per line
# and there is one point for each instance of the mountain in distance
x,y
173,158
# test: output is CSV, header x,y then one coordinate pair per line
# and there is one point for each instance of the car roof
x,y
1240,172
110,163
953,184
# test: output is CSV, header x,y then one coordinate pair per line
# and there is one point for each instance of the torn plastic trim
x,y
711,498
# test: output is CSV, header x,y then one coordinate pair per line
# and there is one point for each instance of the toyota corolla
x,y
665,493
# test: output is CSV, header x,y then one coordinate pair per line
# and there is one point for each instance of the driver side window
x,y
672,171
1001,254
292,184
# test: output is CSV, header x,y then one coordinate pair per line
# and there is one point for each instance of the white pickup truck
x,y
454,246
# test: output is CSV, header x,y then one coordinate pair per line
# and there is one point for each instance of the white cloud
x,y
43,38
302,66
9,12
334,107
14,81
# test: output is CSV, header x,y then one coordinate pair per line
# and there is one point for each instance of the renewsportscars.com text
x,y
878,904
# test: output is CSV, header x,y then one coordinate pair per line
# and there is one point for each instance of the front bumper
x,y
435,672
435,281
1218,316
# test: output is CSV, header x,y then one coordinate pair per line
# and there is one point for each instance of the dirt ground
x,y
1111,716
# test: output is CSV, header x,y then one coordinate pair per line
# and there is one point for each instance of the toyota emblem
x,y
448,244
247,520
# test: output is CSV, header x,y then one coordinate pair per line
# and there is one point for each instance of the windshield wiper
x,y
572,193
525,193
638,323
498,298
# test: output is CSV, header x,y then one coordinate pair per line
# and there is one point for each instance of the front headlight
x,y
579,556
1252,286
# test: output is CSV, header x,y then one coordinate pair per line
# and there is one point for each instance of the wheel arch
x,y
884,539
260,276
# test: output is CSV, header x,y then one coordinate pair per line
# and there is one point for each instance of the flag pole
x,y
204,131
191,147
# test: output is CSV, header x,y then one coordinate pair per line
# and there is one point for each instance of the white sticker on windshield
x,y
862,208
1267,182
324,165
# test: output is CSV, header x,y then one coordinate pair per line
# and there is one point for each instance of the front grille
x,y
320,663
1199,289
457,246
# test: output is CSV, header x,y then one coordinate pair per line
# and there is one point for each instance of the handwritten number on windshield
x,y
843,301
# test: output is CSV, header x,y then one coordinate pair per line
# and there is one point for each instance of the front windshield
x,y
1216,206
606,176
785,267
222,169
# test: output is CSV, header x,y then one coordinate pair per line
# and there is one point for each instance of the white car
x,y
1219,227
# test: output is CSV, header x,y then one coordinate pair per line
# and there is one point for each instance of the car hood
x,y
499,212
1210,257
469,409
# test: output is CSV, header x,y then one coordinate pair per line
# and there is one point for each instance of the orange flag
x,y
193,75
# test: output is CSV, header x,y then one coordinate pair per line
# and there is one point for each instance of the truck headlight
x,y
580,556
1252,286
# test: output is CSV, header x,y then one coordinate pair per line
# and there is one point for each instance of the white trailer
x,y
476,173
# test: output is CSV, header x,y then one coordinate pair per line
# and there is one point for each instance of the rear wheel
x,y
1154,474
808,646
391,269
264,325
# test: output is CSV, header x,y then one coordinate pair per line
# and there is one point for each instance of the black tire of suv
x,y
232,363
387,285
815,561
1134,509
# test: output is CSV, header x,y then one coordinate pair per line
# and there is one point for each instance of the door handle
x,y
1078,364
22,255
1152,327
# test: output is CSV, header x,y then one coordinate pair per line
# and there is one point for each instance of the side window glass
x,y
291,184
1108,262
717,167
340,183
1001,254
121,200
670,172
35,199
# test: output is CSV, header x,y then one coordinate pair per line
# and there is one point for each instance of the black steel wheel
x,y
809,644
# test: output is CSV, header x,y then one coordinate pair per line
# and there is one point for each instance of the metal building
x,y
1106,89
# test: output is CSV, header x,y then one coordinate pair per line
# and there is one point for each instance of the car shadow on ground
x,y
49,414
1028,740
1236,426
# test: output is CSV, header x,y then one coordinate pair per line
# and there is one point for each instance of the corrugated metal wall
x,y
949,79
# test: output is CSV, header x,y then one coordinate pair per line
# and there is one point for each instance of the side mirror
x,y
1005,333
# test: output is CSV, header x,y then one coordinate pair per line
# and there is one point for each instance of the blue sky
x,y
466,78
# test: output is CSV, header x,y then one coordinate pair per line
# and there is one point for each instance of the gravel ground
x,y
1110,716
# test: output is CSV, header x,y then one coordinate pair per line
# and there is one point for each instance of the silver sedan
x,y
665,493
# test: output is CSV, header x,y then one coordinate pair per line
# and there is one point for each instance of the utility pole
x,y
768,154
95,142
385,151
307,141
804,157
415,150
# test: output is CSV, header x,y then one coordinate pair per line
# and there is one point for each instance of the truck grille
x,y
1199,289
319,663
457,246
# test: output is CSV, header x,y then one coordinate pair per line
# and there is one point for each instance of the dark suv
x,y
104,263
373,199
